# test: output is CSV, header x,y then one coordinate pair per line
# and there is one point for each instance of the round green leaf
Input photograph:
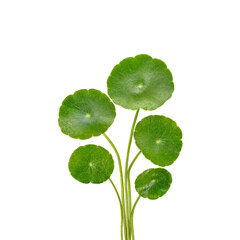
x,y
159,139
86,113
140,82
153,183
91,163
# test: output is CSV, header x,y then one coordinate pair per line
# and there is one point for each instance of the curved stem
x,y
116,192
120,203
128,207
129,182
133,161
132,212
122,184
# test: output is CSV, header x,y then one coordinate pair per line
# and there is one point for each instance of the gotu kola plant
x,y
135,83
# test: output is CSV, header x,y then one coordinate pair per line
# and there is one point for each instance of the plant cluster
x,y
135,83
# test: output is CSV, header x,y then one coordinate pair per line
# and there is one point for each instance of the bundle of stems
x,y
125,200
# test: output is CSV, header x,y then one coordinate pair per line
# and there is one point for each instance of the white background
x,y
49,49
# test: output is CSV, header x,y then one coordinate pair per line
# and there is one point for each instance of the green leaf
x,y
86,113
159,139
153,183
91,163
140,82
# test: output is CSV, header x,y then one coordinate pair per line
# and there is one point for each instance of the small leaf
x,y
159,139
140,82
91,163
153,183
86,113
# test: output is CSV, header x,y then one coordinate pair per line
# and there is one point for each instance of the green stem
x,y
133,161
129,182
128,207
120,203
122,185
132,212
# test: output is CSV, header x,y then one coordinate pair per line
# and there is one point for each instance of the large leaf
x,y
159,139
91,163
140,82
86,113
153,183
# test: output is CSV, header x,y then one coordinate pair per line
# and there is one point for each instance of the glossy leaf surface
x,y
140,82
86,113
153,183
159,139
91,163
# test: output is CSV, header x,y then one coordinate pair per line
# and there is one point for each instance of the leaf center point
x,y
158,141
88,115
